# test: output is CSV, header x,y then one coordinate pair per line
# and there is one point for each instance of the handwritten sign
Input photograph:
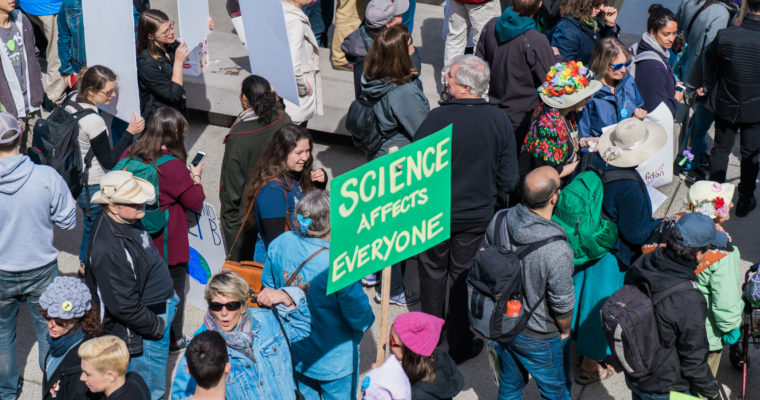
x,y
206,252
390,209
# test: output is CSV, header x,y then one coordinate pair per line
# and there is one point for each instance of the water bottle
x,y
513,307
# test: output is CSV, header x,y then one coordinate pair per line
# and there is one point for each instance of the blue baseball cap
x,y
698,230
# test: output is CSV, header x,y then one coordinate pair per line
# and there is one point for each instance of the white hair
x,y
473,72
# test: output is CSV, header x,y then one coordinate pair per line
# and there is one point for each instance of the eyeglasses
x,y
168,30
617,67
231,306
108,93
393,342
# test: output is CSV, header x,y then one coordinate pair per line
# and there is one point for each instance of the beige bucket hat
x,y
631,142
121,187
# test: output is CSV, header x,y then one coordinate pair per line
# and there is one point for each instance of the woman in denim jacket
x,y
327,362
257,349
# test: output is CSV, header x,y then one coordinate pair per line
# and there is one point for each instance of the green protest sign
x,y
390,209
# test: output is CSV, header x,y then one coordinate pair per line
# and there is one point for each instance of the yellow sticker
x,y
67,306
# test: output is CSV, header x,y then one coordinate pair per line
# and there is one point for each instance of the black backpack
x,y
631,327
496,277
55,142
361,122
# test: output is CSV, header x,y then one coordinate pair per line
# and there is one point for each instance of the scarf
x,y
247,115
511,25
592,23
240,338
652,42
61,345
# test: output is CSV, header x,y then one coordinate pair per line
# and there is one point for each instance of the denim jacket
x,y
269,376
339,320
605,108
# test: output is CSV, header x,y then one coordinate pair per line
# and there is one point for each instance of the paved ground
x,y
338,157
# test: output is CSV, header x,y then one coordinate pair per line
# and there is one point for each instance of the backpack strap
x,y
165,158
522,251
663,294
708,3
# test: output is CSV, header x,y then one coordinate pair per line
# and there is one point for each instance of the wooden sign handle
x,y
385,303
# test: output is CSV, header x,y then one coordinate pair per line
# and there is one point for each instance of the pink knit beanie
x,y
418,331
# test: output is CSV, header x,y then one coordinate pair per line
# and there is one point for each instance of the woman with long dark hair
x,y
163,144
72,317
262,116
159,64
97,86
281,177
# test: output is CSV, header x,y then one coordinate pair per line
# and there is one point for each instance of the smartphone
x,y
198,158
680,88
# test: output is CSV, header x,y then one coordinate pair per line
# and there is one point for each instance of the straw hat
x,y
121,187
710,198
631,142
567,84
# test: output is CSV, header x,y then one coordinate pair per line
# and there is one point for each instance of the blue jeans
x,y
338,389
87,220
701,122
151,365
547,360
16,288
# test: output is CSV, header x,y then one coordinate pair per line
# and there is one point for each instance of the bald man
x,y
547,289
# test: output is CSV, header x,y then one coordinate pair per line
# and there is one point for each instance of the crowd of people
x,y
549,122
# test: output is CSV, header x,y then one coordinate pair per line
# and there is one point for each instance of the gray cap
x,y
380,12
8,123
66,298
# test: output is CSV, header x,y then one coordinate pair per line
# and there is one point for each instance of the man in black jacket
x,y
732,88
129,277
484,172
523,55
681,361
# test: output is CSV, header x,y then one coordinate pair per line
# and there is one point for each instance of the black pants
x,y
445,266
749,146
397,279
179,276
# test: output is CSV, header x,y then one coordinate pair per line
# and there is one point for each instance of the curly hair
x,y
659,17
388,59
578,9
272,164
90,321
262,99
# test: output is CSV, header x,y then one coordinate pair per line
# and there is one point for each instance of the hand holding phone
x,y
198,158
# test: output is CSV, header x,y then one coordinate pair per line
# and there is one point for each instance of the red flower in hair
x,y
719,202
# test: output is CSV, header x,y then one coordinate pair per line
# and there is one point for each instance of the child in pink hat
x,y
430,371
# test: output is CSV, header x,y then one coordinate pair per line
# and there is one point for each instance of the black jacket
x,y
731,72
682,358
64,381
132,292
483,157
448,380
134,389
156,86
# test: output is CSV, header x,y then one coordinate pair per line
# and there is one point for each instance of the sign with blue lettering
x,y
206,251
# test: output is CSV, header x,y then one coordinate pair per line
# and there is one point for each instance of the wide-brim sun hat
x,y
631,142
121,187
710,198
567,84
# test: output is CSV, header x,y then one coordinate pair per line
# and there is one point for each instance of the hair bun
x,y
654,8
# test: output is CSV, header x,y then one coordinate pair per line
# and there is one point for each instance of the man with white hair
x,y
484,172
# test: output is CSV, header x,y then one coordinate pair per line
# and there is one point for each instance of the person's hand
x,y
270,297
640,113
555,50
136,124
210,24
610,15
564,336
318,175
589,142
568,169
180,55
196,171
678,96
70,80
308,89
701,91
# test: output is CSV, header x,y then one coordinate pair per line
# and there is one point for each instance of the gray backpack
x,y
643,56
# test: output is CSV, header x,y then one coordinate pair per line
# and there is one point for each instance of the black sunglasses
x,y
231,306
619,66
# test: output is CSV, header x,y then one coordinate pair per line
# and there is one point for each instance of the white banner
x,y
109,37
193,25
206,252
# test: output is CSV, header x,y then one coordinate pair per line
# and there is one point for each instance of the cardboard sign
x,y
206,252
193,24
268,48
390,209
110,41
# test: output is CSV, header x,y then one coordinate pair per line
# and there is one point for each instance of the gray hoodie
x,y
547,271
33,198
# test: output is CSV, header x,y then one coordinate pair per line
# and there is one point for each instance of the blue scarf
x,y
61,345
240,338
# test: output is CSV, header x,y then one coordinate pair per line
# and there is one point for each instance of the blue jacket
x,y
40,7
605,108
71,50
339,320
576,41
270,376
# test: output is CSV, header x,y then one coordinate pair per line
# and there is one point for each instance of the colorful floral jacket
x,y
549,136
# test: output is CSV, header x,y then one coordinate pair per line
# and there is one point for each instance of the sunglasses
x,y
393,342
231,306
617,67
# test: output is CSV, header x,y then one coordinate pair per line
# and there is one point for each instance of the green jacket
x,y
242,148
720,283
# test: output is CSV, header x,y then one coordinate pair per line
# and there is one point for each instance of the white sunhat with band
x,y
631,142
121,187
